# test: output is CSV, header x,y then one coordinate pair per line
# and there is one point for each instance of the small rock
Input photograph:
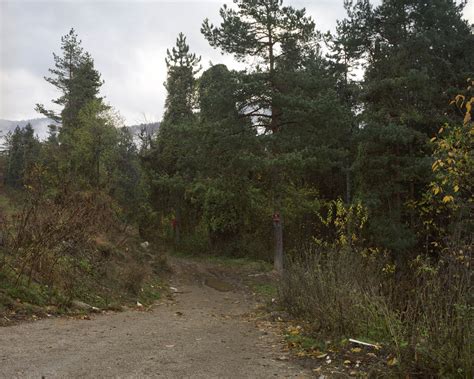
x,y
279,316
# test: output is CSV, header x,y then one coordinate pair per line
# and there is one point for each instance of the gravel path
x,y
201,333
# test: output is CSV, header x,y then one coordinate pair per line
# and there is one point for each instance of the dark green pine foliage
x,y
290,98
76,78
128,186
418,58
346,57
71,155
23,149
83,88
169,162
180,84
258,29
230,164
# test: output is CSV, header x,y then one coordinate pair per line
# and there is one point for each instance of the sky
x,y
128,41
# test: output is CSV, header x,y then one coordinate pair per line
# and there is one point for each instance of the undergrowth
x,y
71,247
424,318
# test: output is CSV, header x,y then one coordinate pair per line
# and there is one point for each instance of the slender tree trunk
x,y
278,229
177,228
348,186
274,127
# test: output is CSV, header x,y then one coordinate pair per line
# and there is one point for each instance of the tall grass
x,y
425,316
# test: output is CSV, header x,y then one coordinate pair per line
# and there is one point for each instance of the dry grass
x,y
424,317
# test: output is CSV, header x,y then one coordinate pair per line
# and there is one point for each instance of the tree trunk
x,y
348,186
278,228
177,227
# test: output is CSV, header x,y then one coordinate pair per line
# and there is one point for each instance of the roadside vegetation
x,y
351,152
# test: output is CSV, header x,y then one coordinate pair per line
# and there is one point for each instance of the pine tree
x,y
279,38
180,84
75,77
415,52
346,55
259,29
22,153
169,162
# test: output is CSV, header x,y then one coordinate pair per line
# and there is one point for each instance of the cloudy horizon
x,y
128,41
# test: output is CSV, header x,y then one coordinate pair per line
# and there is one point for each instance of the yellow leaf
x,y
347,362
448,199
456,188
392,362
467,118
460,97
356,349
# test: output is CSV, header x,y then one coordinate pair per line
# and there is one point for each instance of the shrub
x,y
425,316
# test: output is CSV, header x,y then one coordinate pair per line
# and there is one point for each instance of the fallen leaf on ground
x,y
392,362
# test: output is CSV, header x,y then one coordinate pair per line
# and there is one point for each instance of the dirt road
x,y
203,332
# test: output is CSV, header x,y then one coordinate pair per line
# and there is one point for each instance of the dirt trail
x,y
204,332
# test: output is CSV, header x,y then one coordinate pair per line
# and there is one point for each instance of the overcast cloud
x,y
127,39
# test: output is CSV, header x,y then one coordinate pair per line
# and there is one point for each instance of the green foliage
x,y
22,153
180,84
75,77
446,207
416,59
262,29
292,134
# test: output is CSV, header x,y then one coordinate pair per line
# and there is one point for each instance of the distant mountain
x,y
40,126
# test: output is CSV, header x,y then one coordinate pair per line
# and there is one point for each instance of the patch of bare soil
x,y
204,329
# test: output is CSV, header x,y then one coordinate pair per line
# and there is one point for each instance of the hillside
x,y
40,125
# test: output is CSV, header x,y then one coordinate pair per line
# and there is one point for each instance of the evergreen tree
x,y
415,52
259,29
168,161
291,96
23,150
346,55
83,88
233,205
128,186
93,145
180,84
76,78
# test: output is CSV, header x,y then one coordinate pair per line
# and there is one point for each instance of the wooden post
x,y
278,228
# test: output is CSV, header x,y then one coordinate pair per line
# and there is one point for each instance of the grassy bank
x,y
71,256
422,321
